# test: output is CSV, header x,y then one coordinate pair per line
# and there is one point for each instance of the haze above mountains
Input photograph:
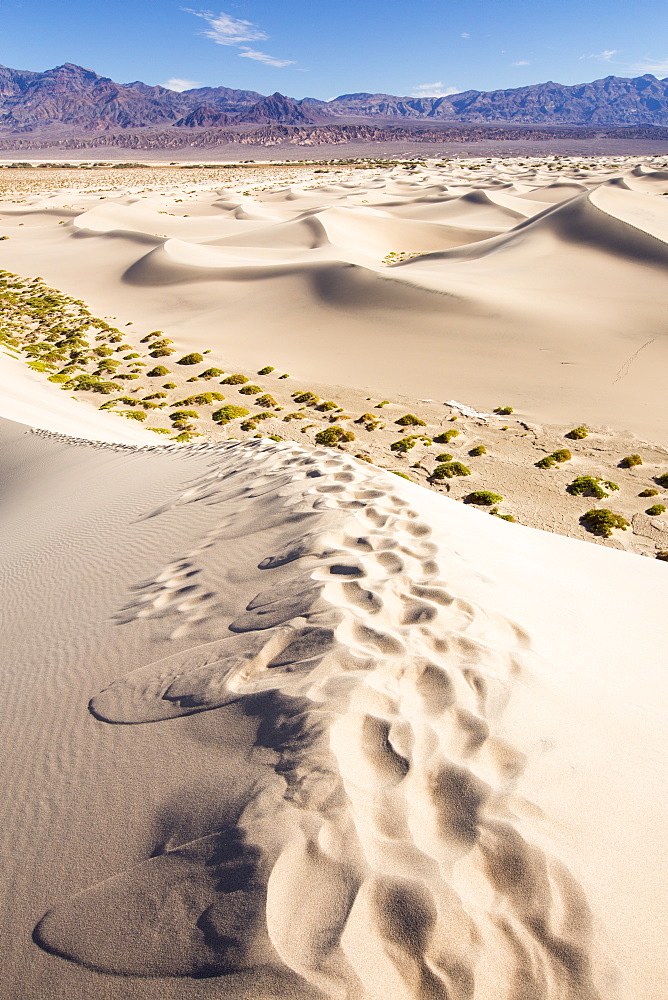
x,y
83,101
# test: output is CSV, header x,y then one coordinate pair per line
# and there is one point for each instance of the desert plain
x,y
315,685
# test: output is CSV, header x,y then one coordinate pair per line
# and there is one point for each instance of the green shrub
x,y
410,420
662,480
236,379
403,445
329,404
577,433
159,430
504,411
227,413
266,370
211,373
333,435
562,455
602,522
169,385
189,359
483,497
58,378
150,336
308,398
250,390
657,508
649,493
630,461
249,425
129,357
444,457
161,352
294,416
445,437
546,462
127,376
600,488
133,414
478,450
450,469
363,457
200,399
158,371
184,415
265,400
275,437
395,472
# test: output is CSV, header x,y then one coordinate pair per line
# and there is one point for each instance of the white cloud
x,y
264,58
657,67
179,85
227,30
224,29
606,55
465,34
522,62
433,90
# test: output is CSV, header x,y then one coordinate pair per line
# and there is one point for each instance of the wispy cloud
x,y
433,90
465,34
264,58
657,67
522,62
224,29
179,85
606,55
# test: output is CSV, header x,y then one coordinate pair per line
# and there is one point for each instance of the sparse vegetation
x,y
662,480
478,450
450,469
158,371
331,436
630,461
655,509
267,370
577,434
308,398
190,359
591,486
227,413
236,379
483,498
410,420
649,493
504,411
211,373
603,522
250,390
445,437
265,400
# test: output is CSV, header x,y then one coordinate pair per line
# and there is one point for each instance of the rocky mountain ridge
x,y
81,101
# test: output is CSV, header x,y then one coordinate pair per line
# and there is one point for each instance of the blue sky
x,y
321,49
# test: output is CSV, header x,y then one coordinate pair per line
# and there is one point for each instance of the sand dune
x,y
543,284
343,740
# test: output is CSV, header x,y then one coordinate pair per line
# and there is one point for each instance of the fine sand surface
x,y
541,282
278,724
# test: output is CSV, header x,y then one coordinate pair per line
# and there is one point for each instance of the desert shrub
x,y
450,469
662,480
546,462
161,352
395,472
410,420
150,336
169,385
227,413
504,517
446,436
127,376
630,461
363,457
211,373
657,508
159,430
165,342
103,351
183,437
444,457
308,398
403,445
483,498
188,359
58,378
600,488
200,399
249,425
267,370
129,357
333,435
156,395
504,411
294,416
478,450
577,433
236,379
158,371
281,376
265,400
184,415
645,493
329,404
562,455
133,414
276,437
250,390
602,522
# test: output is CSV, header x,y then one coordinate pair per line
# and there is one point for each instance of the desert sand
x,y
278,723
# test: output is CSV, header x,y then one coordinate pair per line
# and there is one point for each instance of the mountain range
x,y
81,101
